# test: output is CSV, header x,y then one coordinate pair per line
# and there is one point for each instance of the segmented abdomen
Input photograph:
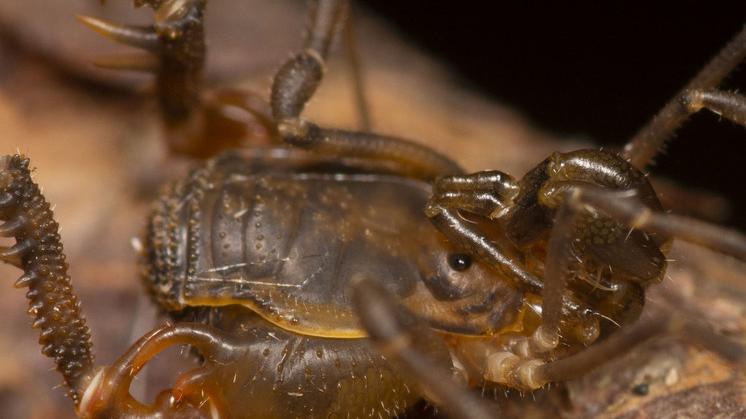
x,y
285,241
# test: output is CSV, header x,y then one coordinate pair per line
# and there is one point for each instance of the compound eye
x,y
459,261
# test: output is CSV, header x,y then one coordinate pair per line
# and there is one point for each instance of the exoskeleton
x,y
347,273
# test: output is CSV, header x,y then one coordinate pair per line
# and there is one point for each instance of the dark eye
x,y
459,261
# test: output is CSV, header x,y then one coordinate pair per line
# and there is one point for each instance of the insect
x,y
454,290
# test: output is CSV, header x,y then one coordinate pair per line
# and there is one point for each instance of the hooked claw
x,y
143,37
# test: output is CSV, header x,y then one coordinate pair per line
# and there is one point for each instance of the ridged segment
x,y
160,263
171,239
64,335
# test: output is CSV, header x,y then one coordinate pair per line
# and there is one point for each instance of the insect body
x,y
228,236
281,236
285,236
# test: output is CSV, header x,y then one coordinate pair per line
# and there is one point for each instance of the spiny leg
x,y
65,337
198,122
400,336
643,147
38,251
297,81
176,40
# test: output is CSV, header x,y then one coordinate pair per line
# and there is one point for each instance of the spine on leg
x,y
64,336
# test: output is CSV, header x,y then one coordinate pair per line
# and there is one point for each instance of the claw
x,y
13,255
143,37
7,200
39,323
140,62
34,308
48,350
13,227
25,280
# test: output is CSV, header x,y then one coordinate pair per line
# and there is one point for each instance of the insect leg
x,y
598,354
486,194
297,81
109,391
624,207
628,209
64,334
695,202
643,147
730,105
546,336
472,240
198,122
576,231
531,374
490,195
402,337
357,73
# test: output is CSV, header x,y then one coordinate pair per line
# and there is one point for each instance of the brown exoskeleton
x,y
291,258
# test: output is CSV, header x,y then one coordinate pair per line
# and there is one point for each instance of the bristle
x,y
142,37
130,62
35,307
